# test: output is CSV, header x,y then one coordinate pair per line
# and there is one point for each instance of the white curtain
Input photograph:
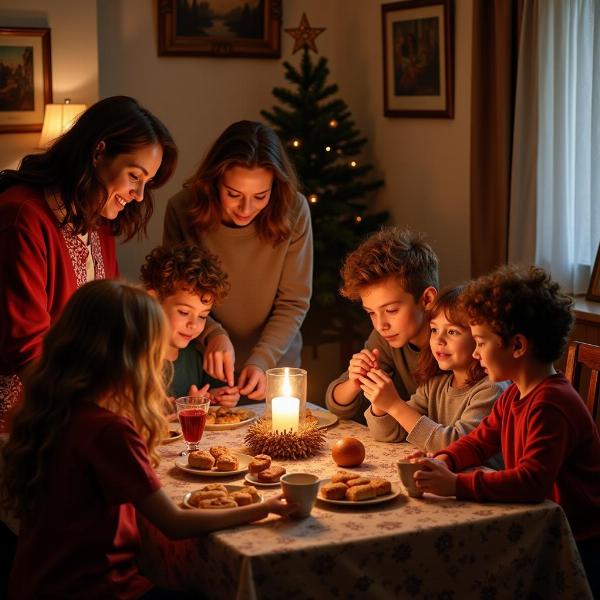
x,y
556,164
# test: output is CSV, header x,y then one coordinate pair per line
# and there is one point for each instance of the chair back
x,y
583,366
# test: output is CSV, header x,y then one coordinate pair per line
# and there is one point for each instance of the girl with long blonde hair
x,y
78,463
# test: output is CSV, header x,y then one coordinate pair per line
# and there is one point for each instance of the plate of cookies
x,y
217,461
173,434
216,495
263,472
353,489
221,417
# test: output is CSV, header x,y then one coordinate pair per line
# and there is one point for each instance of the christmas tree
x,y
325,145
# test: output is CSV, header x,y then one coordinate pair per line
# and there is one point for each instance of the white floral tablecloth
x,y
430,547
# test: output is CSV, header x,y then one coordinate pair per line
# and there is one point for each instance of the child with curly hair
x,y
520,320
394,273
79,461
187,281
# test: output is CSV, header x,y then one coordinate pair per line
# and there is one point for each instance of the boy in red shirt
x,y
551,447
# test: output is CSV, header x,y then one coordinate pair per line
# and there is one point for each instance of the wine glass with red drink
x,y
192,411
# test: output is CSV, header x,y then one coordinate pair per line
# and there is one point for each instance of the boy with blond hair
x,y
187,281
551,447
394,273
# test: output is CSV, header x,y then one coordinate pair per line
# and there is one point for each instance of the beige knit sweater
x,y
270,286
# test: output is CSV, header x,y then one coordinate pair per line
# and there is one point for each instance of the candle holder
x,y
286,398
291,445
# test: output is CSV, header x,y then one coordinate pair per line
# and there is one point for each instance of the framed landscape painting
x,y
221,28
418,58
25,78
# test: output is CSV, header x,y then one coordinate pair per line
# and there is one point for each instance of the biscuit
x,y
226,462
212,487
199,496
343,476
360,492
270,475
250,489
243,414
241,498
382,486
225,419
260,463
201,459
216,451
210,418
224,502
222,411
334,491
357,481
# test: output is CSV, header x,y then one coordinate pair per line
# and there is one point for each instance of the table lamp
x,y
58,118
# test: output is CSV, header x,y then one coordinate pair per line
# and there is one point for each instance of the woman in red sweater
x,y
59,213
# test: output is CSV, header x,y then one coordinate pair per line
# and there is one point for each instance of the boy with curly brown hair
x,y
521,320
394,273
187,281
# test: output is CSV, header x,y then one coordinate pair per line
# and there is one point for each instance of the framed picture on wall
x,y
221,28
593,292
25,78
418,58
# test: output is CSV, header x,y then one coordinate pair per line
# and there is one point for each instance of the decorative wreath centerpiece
x,y
305,442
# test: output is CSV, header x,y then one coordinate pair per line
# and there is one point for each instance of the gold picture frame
x,y
25,78
248,29
418,58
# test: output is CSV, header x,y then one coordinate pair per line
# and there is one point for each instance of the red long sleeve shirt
x,y
551,449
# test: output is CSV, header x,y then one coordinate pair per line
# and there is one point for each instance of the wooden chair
x,y
583,363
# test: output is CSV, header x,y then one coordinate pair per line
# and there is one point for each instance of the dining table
x,y
430,547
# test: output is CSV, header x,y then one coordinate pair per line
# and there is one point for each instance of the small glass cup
x,y
192,411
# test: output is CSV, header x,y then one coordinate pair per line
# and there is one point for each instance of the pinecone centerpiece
x,y
307,441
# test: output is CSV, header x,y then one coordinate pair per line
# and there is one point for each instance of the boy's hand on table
x,y
435,477
252,382
219,359
225,396
361,363
379,389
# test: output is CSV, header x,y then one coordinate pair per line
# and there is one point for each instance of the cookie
x,y
260,463
201,459
270,475
334,491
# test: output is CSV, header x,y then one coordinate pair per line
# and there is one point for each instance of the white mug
x,y
406,470
300,489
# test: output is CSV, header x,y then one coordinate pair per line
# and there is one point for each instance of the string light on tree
x,y
308,106
296,143
353,164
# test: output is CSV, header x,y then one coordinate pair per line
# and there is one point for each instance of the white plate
x,y
244,460
224,426
229,488
250,478
174,435
325,418
395,492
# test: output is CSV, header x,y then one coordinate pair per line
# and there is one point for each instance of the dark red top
x,y
551,449
41,265
83,539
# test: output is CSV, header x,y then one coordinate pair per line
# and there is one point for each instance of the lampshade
x,y
58,118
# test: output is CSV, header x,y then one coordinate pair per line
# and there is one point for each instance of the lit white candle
x,y
286,413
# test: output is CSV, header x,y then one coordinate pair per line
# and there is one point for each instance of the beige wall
x,y
74,50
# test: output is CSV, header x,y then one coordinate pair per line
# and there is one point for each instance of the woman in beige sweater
x,y
243,205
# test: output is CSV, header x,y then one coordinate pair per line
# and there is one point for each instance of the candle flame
x,y
286,388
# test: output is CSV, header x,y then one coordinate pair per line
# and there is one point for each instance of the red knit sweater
x,y
40,268
551,449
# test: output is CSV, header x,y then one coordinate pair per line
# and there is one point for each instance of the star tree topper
x,y
304,35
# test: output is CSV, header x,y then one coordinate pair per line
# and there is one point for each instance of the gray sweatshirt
x,y
448,413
